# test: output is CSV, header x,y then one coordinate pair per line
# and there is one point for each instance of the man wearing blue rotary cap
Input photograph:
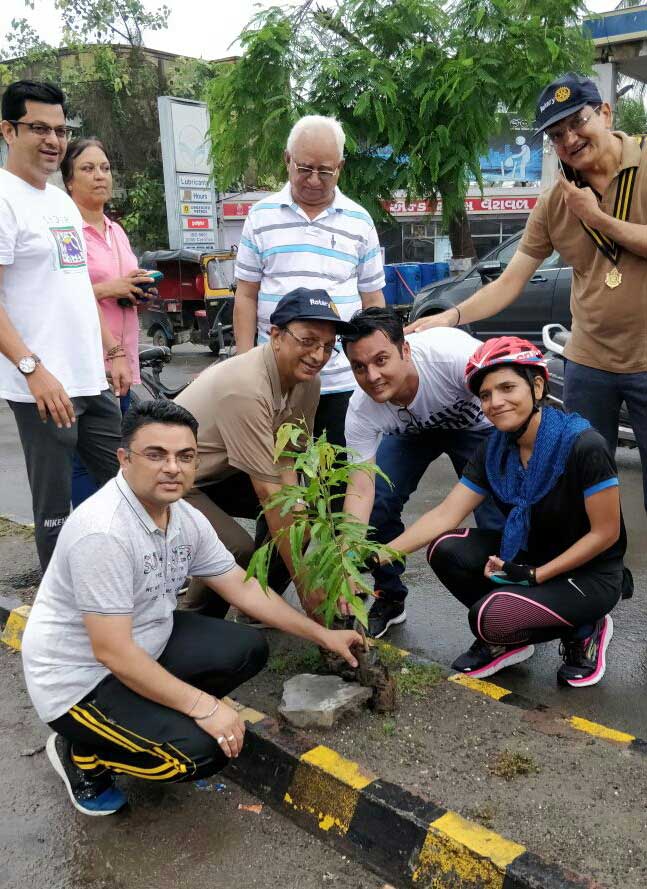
x,y
595,216
240,403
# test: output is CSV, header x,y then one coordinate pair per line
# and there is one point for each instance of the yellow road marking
x,y
466,852
600,731
485,688
351,773
15,627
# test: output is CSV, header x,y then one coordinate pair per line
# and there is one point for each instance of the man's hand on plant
x,y
341,642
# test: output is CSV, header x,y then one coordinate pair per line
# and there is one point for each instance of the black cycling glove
x,y
515,573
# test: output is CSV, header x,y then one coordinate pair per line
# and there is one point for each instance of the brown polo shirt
x,y
609,330
239,406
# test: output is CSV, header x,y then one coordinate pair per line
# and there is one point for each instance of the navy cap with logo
x,y
563,97
303,304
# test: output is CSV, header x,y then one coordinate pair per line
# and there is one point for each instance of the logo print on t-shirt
x,y
70,247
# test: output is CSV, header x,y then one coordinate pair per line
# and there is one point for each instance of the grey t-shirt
x,y
111,558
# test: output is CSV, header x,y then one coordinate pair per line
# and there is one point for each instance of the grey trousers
x,y
49,453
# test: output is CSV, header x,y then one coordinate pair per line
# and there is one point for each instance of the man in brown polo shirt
x,y
595,215
239,404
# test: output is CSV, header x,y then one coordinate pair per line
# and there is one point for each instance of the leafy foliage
x,y
112,90
631,116
419,86
338,545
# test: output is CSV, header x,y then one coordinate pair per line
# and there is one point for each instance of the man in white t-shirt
x,y
130,685
411,407
52,336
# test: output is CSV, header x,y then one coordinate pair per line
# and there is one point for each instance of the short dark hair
x,y
21,91
74,149
157,410
368,321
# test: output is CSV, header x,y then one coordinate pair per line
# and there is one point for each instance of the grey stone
x,y
310,700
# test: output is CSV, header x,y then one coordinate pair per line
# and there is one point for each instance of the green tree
x,y
419,86
630,116
112,85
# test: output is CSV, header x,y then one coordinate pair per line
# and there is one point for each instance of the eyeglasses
x,y
312,345
159,457
324,174
577,123
43,130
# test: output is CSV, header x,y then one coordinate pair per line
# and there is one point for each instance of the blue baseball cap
x,y
563,97
303,304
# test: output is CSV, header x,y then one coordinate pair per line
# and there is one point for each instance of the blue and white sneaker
x,y
92,796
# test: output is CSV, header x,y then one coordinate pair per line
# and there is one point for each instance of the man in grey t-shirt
x,y
129,684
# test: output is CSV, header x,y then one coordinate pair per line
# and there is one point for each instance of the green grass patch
x,y
416,679
15,529
509,765
306,661
388,727
389,655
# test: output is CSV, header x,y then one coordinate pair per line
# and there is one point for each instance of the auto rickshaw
x,y
196,298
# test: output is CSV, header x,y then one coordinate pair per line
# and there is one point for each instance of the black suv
x,y
545,298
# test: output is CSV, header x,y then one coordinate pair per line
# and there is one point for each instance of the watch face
x,y
27,365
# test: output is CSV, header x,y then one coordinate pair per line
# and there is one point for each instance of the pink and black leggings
x,y
513,614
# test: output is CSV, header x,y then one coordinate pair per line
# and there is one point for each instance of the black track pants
x,y
514,614
115,728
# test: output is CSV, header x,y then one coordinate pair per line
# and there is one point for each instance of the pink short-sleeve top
x,y
110,256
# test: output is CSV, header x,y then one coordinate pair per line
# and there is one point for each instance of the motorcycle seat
x,y
157,353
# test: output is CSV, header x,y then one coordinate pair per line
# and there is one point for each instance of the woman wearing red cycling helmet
x,y
557,570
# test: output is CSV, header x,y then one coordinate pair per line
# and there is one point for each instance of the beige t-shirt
x,y
609,330
239,406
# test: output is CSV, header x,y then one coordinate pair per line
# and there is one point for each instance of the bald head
x,y
314,159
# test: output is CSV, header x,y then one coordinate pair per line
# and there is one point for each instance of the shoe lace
x,y
573,651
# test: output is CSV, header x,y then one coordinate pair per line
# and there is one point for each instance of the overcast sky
x,y
203,28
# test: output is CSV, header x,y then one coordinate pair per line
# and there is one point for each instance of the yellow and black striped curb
x,y
409,841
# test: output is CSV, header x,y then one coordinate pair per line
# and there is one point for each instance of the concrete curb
x,y
409,841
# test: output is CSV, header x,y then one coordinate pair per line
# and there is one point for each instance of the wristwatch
x,y
28,364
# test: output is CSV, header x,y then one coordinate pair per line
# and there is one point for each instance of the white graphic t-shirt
x,y
441,402
46,289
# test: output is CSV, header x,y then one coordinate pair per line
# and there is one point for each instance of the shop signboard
x,y
191,198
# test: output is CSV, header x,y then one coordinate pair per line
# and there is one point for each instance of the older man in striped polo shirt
x,y
309,235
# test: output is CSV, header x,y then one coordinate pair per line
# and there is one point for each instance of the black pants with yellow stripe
x,y
115,728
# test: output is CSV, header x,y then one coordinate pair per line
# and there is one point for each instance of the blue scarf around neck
x,y
522,488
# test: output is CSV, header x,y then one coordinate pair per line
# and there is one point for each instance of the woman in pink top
x,y
112,265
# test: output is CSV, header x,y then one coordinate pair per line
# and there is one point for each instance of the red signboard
x,y
490,204
194,223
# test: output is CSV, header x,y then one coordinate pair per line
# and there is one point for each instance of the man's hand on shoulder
x,y
442,319
51,397
582,202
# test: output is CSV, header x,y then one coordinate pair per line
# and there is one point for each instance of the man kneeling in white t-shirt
x,y
129,684
411,407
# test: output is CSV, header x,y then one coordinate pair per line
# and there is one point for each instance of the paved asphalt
x,y
436,626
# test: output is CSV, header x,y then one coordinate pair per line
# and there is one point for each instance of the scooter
x,y
555,337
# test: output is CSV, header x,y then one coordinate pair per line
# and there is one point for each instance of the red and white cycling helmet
x,y
502,350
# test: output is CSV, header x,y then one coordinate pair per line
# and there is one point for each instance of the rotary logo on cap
x,y
562,94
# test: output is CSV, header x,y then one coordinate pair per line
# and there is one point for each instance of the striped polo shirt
x,y
338,251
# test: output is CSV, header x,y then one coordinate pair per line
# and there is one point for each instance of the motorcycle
x,y
555,338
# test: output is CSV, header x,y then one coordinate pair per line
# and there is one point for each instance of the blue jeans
x,y
405,458
83,483
598,395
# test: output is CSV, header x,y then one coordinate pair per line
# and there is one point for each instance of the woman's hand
x,y
121,376
494,565
126,286
225,726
